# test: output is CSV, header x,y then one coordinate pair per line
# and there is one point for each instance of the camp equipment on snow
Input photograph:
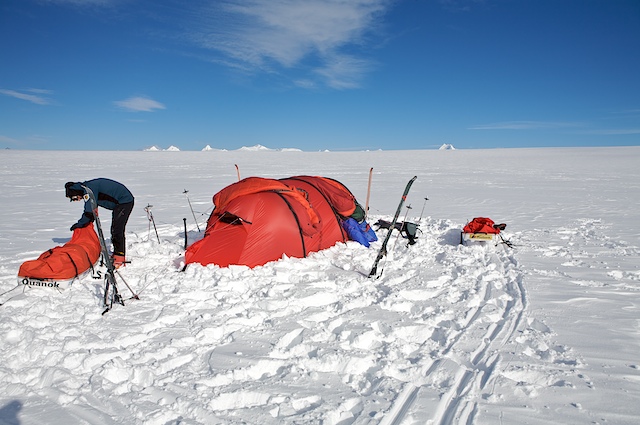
x,y
185,233
383,248
147,209
366,205
191,208
422,212
482,229
60,266
258,220
407,229
360,232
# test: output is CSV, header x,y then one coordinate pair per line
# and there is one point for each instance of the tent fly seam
x,y
335,213
295,216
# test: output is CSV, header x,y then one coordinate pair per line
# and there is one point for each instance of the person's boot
x,y
118,261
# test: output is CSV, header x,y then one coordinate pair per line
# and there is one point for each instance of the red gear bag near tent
x,y
481,225
258,220
65,262
481,229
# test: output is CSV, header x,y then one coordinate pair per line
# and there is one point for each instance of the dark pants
x,y
119,220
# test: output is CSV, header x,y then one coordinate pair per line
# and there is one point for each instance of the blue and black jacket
x,y
109,194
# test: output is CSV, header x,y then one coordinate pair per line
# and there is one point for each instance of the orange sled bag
x,y
65,262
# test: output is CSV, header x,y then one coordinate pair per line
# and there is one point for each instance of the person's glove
x,y
78,226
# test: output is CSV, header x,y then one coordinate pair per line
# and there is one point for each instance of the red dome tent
x,y
258,220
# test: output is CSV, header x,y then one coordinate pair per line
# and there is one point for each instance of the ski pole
x,y
134,295
194,214
146,210
423,205
151,220
185,233
237,171
366,205
402,226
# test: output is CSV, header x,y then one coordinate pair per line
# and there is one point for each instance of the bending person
x,y
113,196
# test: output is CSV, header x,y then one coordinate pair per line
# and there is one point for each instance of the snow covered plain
x,y
548,332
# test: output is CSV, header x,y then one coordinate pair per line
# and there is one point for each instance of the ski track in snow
x,y
448,334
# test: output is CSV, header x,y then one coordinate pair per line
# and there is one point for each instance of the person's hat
x,y
70,192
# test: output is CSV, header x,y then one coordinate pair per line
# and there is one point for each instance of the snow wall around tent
x,y
67,261
259,220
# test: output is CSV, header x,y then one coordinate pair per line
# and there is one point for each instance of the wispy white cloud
x,y
543,125
613,131
274,35
344,72
30,95
525,125
139,104
627,112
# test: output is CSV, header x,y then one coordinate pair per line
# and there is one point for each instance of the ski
x,y
111,294
383,248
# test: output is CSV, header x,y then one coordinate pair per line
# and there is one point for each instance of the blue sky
x,y
318,74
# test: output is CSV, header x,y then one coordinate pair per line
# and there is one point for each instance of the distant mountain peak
x,y
254,148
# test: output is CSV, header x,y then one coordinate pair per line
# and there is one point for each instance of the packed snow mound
x,y
172,149
152,149
447,147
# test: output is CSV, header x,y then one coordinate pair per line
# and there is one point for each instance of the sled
x,y
59,267
481,229
59,284
477,237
